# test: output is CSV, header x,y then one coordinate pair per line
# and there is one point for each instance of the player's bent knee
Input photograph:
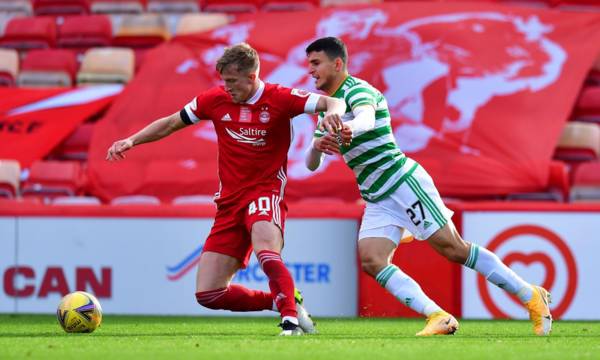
x,y
455,254
210,299
372,264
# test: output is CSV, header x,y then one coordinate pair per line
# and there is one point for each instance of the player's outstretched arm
x,y
156,130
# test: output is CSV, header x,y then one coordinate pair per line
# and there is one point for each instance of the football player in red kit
x,y
252,122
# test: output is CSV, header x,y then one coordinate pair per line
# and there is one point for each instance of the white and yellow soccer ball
x,y
79,312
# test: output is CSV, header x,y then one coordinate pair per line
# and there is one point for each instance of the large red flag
x,y
34,121
478,93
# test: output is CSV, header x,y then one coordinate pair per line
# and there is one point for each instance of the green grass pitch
x,y
146,337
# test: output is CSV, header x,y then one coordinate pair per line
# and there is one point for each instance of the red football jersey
x,y
253,137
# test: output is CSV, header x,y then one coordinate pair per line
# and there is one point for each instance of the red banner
x,y
34,121
478,94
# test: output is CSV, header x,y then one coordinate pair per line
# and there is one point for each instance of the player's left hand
x,y
332,123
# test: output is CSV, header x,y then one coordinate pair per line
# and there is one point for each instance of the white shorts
x,y
415,206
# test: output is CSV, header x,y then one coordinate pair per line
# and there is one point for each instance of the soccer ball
x,y
79,312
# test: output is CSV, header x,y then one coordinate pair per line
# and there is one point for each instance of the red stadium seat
x,y
588,104
10,172
29,33
84,32
49,179
232,6
579,141
586,182
48,67
9,67
75,147
61,7
289,5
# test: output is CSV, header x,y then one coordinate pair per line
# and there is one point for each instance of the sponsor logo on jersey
x,y
300,92
249,136
245,114
226,117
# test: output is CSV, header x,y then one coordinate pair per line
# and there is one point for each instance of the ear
x,y
339,64
252,76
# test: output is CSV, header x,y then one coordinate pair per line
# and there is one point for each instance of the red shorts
x,y
230,233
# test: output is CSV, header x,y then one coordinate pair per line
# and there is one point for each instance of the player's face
x,y
323,70
239,85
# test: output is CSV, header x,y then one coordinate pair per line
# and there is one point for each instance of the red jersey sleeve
x,y
197,109
299,101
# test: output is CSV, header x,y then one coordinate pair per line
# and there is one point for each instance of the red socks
x,y
235,298
280,282
239,298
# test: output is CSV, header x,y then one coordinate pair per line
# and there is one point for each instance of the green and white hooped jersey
x,y
376,160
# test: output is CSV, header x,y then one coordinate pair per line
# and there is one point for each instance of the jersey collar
x,y
257,94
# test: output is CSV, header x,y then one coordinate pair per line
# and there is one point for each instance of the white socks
x,y
495,271
406,290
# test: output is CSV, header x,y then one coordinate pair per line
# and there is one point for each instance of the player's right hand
x,y
327,144
116,150
332,123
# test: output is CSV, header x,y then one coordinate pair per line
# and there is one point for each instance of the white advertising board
x,y
8,255
556,249
148,265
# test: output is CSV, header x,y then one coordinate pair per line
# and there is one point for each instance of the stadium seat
x,y
141,31
106,65
289,5
49,179
9,67
135,200
76,200
588,104
84,32
586,182
10,172
193,200
61,7
579,141
75,147
195,23
557,189
29,33
173,6
328,3
231,6
16,7
48,68
117,6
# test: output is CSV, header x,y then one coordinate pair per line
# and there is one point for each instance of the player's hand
x,y
345,135
332,123
327,144
116,150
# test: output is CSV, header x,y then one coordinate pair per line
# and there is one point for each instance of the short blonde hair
x,y
242,55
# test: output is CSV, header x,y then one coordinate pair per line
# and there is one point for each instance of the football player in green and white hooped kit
x,y
400,195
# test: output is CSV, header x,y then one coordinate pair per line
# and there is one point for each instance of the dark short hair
x,y
242,55
332,46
